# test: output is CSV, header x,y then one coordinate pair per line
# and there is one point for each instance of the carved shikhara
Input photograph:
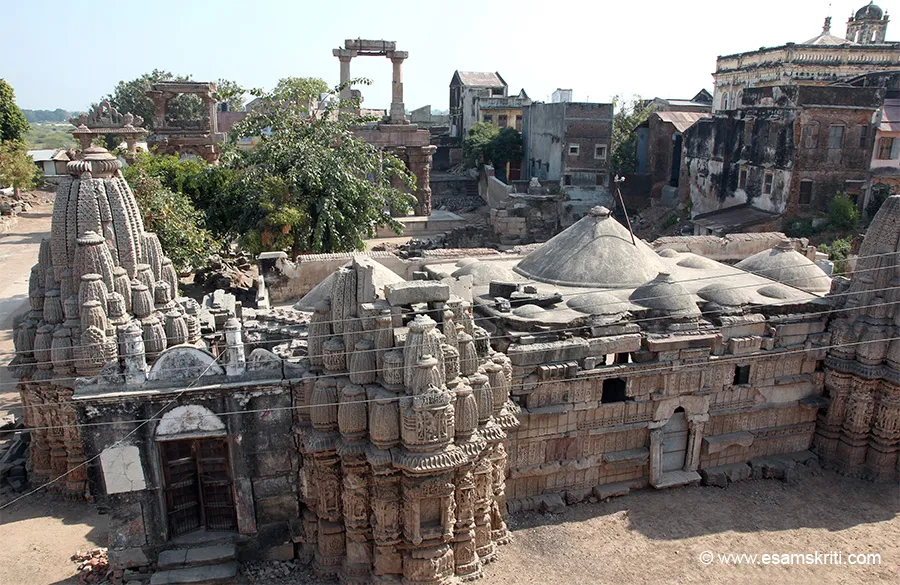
x,y
404,450
102,291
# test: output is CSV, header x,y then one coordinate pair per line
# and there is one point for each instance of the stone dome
x,y
869,12
484,272
598,303
597,251
726,295
785,265
665,296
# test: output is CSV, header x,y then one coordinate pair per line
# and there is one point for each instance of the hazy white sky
x,y
67,54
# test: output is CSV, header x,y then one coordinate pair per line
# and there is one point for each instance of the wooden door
x,y
199,492
675,436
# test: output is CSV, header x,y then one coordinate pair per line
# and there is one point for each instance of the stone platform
x,y
425,225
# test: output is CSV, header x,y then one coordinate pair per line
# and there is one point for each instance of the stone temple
x,y
385,436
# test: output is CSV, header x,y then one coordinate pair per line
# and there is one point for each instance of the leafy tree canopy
x,y
311,184
16,167
477,144
13,125
626,119
171,215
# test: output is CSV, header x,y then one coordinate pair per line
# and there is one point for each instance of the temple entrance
x,y
674,443
198,485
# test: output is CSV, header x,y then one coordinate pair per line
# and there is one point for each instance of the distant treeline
x,y
56,115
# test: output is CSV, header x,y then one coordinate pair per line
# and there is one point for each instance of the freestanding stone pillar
x,y
344,56
398,109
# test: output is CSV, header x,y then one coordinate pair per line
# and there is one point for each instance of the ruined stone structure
x,y
637,369
396,135
821,60
785,151
185,137
859,433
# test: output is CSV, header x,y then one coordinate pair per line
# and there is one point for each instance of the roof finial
x,y
826,30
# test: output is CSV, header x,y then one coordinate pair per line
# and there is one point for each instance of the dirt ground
x,y
647,537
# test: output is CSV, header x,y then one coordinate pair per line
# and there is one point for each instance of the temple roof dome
x,y
596,251
785,265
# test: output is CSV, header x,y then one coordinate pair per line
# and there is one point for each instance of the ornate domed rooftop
x,y
597,251
665,295
787,266
870,11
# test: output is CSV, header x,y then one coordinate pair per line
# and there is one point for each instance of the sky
x,y
68,54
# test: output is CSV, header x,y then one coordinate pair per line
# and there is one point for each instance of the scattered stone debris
x,y
13,455
235,272
93,566
292,572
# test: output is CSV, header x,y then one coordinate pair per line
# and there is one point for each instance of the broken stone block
x,y
127,558
714,476
416,291
552,504
609,490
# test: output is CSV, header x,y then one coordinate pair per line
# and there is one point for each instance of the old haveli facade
x,y
822,60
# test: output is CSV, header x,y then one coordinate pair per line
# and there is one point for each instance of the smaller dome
x,y
726,295
869,12
486,272
528,311
597,303
668,253
778,291
698,263
785,265
665,295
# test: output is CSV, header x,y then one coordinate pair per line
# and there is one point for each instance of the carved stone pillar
x,y
884,440
344,56
855,430
387,561
484,546
468,565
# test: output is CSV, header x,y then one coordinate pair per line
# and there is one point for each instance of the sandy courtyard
x,y
645,537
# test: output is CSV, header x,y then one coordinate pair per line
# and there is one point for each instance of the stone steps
x,y
677,478
220,574
196,556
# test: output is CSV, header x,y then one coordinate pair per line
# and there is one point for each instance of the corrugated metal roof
x,y
682,120
733,219
481,79
890,120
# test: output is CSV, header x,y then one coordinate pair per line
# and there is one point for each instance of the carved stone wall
x,y
404,443
859,433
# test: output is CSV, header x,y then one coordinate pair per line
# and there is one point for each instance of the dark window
x,y
805,192
601,178
574,149
497,91
613,390
742,375
767,184
489,118
863,135
503,120
567,179
835,137
742,179
519,123
623,358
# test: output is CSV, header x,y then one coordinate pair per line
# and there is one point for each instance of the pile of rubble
x,y
93,566
293,572
234,272
13,454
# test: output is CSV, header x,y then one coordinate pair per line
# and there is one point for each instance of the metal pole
x,y
618,180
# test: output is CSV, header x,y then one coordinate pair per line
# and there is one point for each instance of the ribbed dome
x,y
597,251
869,11
785,265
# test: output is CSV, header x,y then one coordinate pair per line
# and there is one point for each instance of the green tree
x,y
626,119
842,213
477,144
171,215
505,147
16,167
13,125
231,93
311,184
